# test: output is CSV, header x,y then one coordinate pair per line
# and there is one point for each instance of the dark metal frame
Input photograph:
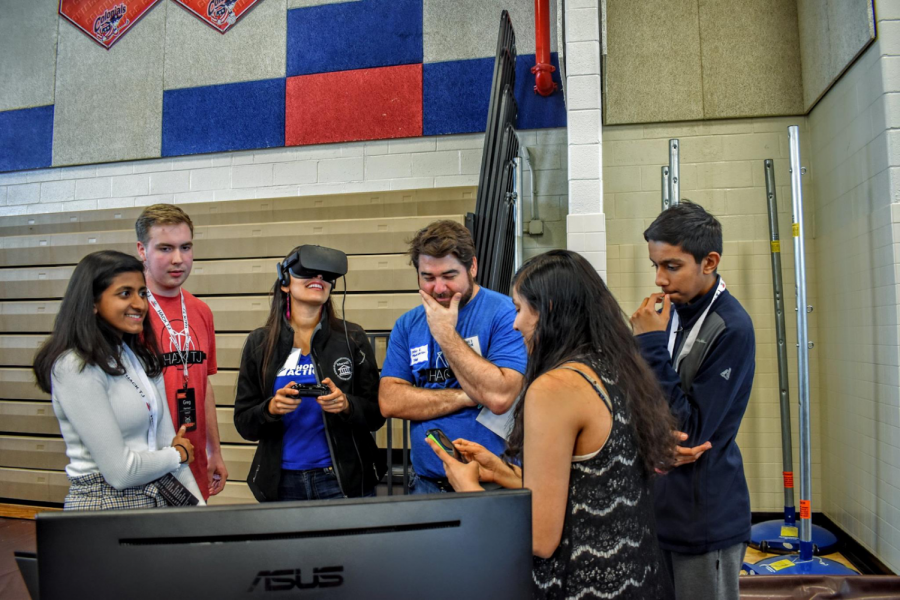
x,y
494,218
390,435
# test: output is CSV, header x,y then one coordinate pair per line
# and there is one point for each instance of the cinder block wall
x,y
855,152
439,161
722,169
56,116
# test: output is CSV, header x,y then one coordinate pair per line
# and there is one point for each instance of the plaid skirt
x,y
92,492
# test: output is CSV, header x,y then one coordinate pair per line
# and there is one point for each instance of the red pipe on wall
x,y
543,80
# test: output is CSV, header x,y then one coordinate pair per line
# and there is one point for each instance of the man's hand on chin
x,y
441,320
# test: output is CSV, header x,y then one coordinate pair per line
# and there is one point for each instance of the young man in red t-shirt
x,y
186,335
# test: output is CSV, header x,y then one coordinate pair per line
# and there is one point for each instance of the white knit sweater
x,y
104,422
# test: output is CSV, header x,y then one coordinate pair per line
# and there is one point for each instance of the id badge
x,y
174,492
186,405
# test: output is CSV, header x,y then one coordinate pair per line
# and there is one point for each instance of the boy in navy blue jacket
x,y
703,354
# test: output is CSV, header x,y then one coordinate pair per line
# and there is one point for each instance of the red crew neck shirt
x,y
201,364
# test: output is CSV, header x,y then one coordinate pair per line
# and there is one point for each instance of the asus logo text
x,y
292,579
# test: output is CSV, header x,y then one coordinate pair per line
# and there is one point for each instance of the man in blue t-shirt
x,y
455,362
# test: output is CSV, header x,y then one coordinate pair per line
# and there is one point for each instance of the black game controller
x,y
313,390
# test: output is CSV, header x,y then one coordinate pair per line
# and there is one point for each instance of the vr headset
x,y
309,261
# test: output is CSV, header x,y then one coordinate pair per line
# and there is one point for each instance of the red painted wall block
x,y
347,106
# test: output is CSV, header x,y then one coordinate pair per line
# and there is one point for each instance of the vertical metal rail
x,y
517,212
389,423
504,75
501,251
495,219
496,246
505,252
390,456
674,173
665,188
780,336
803,345
405,456
490,244
535,207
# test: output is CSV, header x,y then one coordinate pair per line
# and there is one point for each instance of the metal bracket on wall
x,y
535,226
671,177
665,187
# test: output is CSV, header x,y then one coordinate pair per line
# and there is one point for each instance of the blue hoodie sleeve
x,y
718,393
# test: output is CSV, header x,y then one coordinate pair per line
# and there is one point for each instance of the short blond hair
x,y
160,214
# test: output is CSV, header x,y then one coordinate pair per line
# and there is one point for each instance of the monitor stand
x,y
28,565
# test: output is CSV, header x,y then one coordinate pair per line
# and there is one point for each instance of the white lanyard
x,y
182,347
153,402
695,330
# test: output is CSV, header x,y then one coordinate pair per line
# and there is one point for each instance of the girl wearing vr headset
x,y
308,390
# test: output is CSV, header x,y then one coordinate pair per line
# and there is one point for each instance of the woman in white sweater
x,y
102,368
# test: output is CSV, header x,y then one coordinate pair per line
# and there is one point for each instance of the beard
x,y
467,295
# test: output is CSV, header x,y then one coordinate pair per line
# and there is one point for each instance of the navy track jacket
x,y
705,506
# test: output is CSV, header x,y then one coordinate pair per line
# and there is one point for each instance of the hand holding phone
x,y
441,439
462,474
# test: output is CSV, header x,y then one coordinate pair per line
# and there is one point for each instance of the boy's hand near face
x,y
646,318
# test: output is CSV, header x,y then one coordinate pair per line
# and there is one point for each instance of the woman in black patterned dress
x,y
591,430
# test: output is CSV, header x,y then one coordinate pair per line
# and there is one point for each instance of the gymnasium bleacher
x,y
236,247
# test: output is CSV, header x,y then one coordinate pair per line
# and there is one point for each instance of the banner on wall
x,y
105,21
221,15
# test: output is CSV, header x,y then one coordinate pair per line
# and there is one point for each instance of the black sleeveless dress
x,y
608,547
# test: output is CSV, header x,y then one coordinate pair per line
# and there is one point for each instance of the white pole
x,y
803,345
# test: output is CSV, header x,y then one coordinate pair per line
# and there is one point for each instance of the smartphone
x,y
441,439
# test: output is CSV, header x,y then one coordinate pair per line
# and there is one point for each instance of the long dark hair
x,y
277,320
580,320
80,329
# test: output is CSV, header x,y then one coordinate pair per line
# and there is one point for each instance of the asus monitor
x,y
460,546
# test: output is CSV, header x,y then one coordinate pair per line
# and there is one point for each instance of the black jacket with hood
x,y
357,463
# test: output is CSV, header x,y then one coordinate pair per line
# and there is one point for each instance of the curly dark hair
x,y
441,239
580,320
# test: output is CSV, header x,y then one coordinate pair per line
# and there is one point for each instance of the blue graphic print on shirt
x,y
305,445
